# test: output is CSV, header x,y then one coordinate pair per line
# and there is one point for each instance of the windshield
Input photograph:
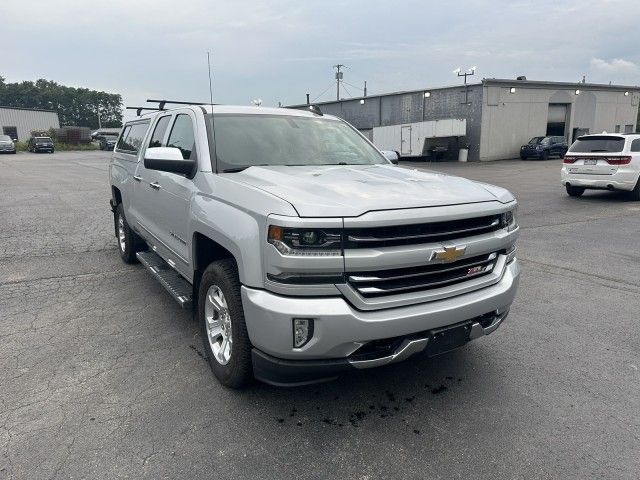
x,y
597,144
536,140
5,138
242,141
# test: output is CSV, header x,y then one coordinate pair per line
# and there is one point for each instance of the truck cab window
x,y
182,136
159,131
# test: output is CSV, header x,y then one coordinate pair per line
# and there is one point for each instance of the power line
x,y
324,91
357,88
346,89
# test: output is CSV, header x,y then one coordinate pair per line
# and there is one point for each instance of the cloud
x,y
278,50
615,66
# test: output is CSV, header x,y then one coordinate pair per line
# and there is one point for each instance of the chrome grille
x,y
404,280
419,233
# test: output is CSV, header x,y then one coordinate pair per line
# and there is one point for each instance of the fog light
x,y
302,331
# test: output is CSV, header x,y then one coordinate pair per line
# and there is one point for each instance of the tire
x,y
220,281
523,157
635,193
128,242
574,191
545,155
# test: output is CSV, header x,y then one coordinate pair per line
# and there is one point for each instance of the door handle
x,y
137,178
155,185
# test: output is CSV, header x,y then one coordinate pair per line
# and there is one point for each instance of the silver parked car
x,y
6,144
305,251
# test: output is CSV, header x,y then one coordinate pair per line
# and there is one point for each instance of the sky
x,y
279,50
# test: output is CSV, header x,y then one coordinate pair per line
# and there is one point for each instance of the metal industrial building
x,y
492,118
18,123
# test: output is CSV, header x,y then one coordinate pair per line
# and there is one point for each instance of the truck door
x,y
168,196
145,186
176,190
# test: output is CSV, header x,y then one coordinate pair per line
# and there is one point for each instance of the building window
x,y
617,128
11,131
628,129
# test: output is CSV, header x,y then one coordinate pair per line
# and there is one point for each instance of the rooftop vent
x,y
521,77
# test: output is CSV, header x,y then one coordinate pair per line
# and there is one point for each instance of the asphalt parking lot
x,y
101,372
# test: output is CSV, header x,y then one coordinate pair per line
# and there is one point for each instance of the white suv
x,y
603,162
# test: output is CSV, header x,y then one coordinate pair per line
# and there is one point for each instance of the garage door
x,y
557,113
556,119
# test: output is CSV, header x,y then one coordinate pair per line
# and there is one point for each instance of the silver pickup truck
x,y
304,252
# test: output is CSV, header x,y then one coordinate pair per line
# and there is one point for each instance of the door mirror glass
x,y
391,156
168,159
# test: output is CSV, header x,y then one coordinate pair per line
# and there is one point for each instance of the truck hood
x,y
352,190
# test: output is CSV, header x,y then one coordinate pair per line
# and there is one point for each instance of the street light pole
x,y
99,121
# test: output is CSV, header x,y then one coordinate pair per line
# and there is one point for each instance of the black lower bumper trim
x,y
293,373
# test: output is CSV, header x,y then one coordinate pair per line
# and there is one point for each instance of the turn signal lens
x,y
275,233
568,159
509,219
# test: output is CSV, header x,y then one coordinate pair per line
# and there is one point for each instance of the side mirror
x,y
168,159
391,156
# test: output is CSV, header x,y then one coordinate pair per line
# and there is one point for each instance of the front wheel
x,y
545,155
224,332
574,191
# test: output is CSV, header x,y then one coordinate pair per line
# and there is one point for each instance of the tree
x,y
75,106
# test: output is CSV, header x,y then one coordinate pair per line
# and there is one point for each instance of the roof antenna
x,y
213,129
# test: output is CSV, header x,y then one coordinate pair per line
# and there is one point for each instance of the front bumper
x,y
340,329
622,179
531,152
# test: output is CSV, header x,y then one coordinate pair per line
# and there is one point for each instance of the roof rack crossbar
x,y
140,109
162,103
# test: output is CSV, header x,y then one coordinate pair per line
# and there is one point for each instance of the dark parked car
x,y
6,144
107,142
40,144
544,147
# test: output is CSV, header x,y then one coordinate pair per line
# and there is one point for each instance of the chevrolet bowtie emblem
x,y
448,254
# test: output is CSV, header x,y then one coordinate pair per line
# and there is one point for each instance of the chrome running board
x,y
171,280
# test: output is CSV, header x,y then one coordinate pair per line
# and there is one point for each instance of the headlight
x,y
509,219
306,241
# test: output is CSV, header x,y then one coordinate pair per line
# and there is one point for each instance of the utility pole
x,y
99,121
365,88
339,76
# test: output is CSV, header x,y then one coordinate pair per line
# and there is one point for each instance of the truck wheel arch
x,y
116,195
206,251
